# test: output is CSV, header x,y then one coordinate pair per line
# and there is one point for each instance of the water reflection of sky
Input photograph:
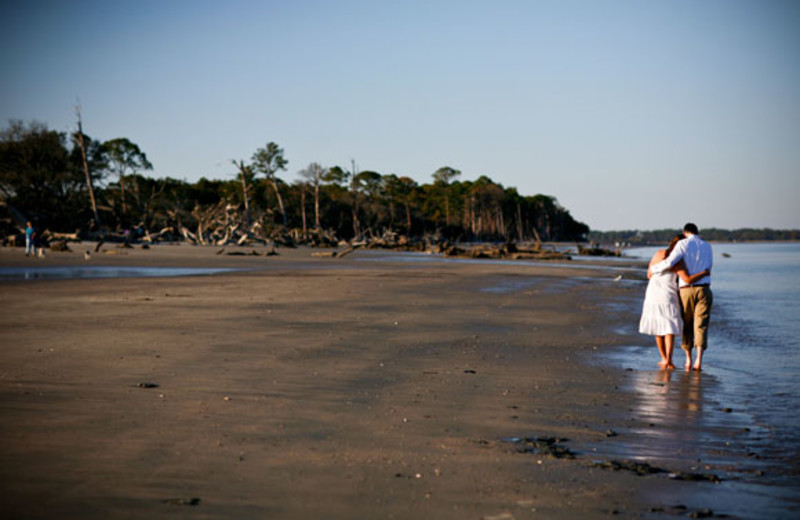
x,y
583,262
682,417
72,272
690,421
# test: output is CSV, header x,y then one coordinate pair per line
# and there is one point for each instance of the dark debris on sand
x,y
553,447
182,501
549,446
643,468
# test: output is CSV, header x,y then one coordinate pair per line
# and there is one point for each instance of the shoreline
x,y
380,389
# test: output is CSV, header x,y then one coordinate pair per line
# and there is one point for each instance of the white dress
x,y
661,312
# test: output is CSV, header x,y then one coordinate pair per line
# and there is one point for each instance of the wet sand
x,y
300,387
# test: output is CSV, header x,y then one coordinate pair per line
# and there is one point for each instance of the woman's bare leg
x,y
662,351
669,347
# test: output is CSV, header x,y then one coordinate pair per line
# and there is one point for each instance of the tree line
x,y
72,182
663,236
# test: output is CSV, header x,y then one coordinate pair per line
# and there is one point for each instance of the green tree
x,y
336,175
315,175
407,189
268,161
39,178
368,184
246,176
443,177
125,158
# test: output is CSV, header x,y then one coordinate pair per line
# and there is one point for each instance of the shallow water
x,y
61,273
586,262
739,416
754,336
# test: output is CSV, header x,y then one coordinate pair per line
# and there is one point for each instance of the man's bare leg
x,y
688,364
698,359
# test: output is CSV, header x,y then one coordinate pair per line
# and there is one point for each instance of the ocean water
x,y
740,417
754,336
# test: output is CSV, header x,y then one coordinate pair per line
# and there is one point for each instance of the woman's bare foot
x,y
669,366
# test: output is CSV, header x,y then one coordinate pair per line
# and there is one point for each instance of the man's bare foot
x,y
663,363
698,360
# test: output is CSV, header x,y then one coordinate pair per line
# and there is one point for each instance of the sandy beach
x,y
302,387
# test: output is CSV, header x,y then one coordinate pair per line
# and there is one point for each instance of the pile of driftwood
x,y
221,225
226,225
433,245
596,250
508,251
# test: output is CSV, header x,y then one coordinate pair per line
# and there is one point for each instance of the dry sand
x,y
311,388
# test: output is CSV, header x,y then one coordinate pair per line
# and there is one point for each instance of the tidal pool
x,y
69,272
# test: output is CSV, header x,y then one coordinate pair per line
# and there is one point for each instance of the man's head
x,y
690,229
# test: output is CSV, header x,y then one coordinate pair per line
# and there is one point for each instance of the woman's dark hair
x,y
673,242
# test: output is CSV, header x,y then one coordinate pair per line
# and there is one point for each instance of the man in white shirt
x,y
696,298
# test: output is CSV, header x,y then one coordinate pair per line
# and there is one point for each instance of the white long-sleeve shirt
x,y
696,254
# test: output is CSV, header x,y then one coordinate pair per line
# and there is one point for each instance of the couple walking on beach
x,y
678,298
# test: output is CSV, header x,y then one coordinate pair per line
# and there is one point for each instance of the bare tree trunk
x,y
519,223
465,220
536,234
356,224
316,204
472,213
354,187
86,168
245,191
136,193
280,202
408,218
303,211
122,194
502,223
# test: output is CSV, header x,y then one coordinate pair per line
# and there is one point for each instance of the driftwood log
x,y
597,251
433,245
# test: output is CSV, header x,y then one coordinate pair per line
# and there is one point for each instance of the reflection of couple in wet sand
x,y
678,298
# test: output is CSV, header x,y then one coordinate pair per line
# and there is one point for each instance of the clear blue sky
x,y
634,114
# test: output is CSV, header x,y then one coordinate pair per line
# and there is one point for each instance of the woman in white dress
x,y
661,312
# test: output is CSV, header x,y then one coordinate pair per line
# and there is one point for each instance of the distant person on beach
x,y
696,296
661,311
30,240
